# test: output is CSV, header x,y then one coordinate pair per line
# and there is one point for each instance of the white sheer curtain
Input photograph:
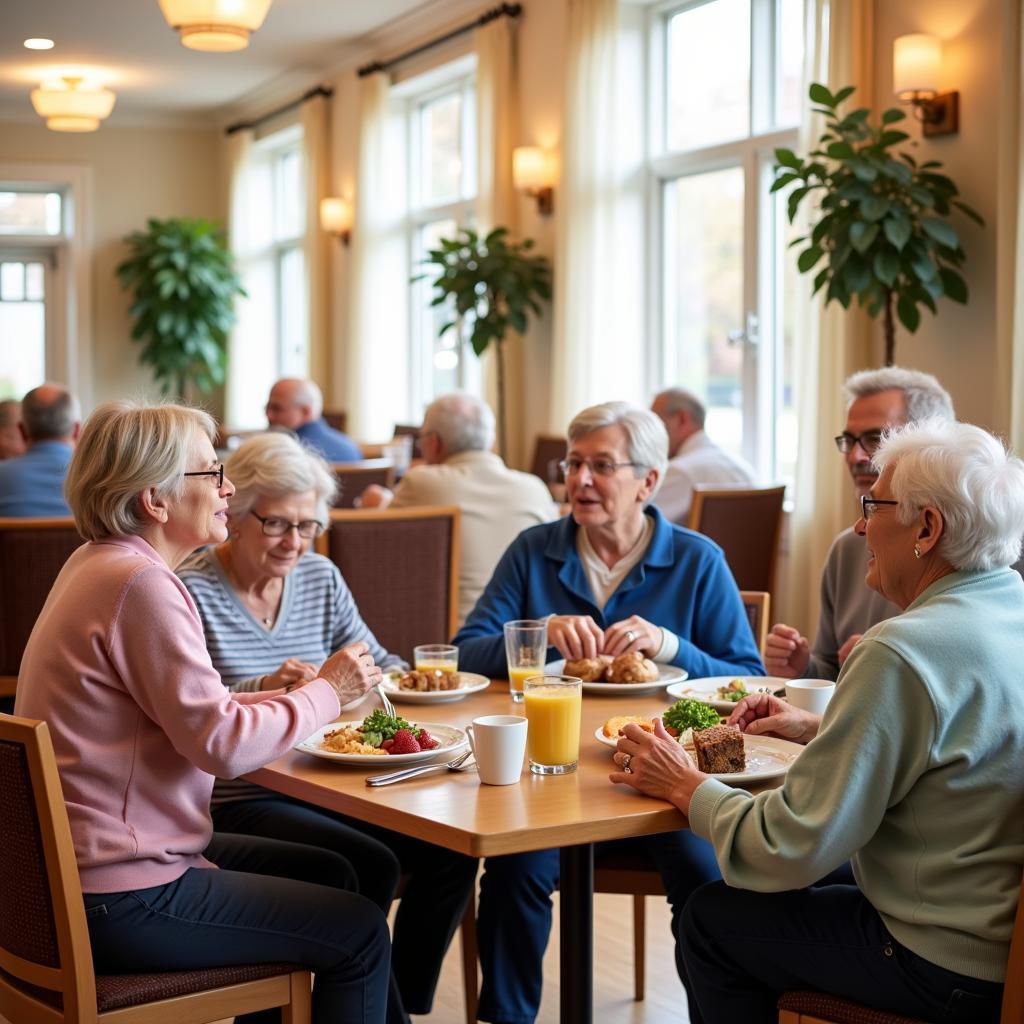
x,y
831,342
237,148
316,153
1011,211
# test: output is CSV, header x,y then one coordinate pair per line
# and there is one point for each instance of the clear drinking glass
x,y
553,708
436,658
526,645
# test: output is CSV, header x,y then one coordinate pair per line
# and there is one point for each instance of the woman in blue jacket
x,y
614,577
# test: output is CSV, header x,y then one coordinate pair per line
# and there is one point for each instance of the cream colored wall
x,y
136,173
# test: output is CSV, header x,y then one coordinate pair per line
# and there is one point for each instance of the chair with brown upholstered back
x,y
337,419
32,553
548,452
756,603
46,968
402,566
354,477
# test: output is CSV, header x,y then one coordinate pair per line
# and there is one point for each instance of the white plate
x,y
767,758
707,689
669,674
470,681
448,738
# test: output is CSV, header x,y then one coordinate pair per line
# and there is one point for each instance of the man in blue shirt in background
x,y
298,405
33,484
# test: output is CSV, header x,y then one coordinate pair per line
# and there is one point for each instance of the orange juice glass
x,y
526,645
436,658
553,708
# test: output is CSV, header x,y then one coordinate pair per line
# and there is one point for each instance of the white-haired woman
x,y
614,576
271,611
141,723
916,771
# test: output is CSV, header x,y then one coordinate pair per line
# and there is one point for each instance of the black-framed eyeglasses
x,y
218,473
869,505
869,441
274,527
599,467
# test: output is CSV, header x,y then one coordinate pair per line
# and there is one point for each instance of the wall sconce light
x,y
336,217
533,174
915,75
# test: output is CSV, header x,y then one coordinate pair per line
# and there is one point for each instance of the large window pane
x,y
789,99
22,328
293,330
785,299
30,213
443,353
708,98
441,150
291,195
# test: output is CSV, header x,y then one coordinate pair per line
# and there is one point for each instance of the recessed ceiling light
x,y
38,44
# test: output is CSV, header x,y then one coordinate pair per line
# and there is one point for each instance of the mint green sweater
x,y
917,773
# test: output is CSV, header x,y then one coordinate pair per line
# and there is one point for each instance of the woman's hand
x,y
575,636
292,673
763,714
632,634
786,652
351,672
658,765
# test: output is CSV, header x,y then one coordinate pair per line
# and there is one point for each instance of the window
x,y
726,79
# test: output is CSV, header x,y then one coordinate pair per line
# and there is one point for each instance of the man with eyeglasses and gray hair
x,y
33,484
877,401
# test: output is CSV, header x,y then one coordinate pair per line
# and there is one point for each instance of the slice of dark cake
x,y
719,750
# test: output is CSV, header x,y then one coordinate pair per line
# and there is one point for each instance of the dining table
x,y
455,810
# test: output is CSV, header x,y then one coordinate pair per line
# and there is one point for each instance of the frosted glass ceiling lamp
x,y
217,26
68,106
916,60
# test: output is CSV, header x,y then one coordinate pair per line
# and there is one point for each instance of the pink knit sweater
x,y
141,723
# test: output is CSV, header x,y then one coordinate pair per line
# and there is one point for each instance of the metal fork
x,y
389,708
456,765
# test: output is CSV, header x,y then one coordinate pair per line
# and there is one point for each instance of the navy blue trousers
x,y
741,950
515,914
253,910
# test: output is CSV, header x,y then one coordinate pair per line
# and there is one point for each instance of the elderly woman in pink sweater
x,y
141,724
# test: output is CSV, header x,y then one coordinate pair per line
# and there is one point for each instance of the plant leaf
x,y
886,265
874,208
808,258
907,311
892,114
819,94
787,158
862,235
897,230
954,285
940,231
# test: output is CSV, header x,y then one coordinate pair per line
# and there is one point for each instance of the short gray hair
x,y
646,436
124,449
970,477
463,423
307,392
681,400
272,465
926,398
46,418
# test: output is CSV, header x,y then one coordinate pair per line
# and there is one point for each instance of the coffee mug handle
x,y
469,736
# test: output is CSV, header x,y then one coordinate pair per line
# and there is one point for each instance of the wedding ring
x,y
630,635
625,764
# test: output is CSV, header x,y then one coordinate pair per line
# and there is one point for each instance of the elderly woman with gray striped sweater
x,y
272,611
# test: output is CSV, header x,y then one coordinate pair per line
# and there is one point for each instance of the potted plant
x,y
184,285
880,221
490,284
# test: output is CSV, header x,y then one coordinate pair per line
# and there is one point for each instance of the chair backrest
x,y
44,938
32,553
745,523
402,566
757,603
1013,991
336,418
548,451
354,477
410,430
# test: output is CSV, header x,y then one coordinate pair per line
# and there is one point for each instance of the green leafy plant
x,y
490,284
184,286
880,219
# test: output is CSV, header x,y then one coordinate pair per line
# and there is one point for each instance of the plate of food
x,y
628,673
723,693
434,687
382,740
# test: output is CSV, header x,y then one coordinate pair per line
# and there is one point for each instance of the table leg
x,y
577,934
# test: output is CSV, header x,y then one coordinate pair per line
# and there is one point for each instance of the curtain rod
x,y
504,11
317,90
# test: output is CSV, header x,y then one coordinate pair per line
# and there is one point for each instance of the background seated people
x,y
693,458
915,771
141,723
496,502
297,405
33,484
11,441
272,611
614,576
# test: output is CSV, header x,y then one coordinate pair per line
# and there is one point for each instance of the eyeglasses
x,y
869,441
218,473
274,527
599,467
868,506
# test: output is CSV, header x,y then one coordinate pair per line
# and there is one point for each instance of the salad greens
x,y
690,714
378,727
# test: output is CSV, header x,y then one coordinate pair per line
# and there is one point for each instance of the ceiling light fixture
x,y
215,25
38,44
68,106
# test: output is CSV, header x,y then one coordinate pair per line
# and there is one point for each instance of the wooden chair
x,y
548,451
336,419
745,523
410,430
757,604
402,566
46,967
32,553
354,477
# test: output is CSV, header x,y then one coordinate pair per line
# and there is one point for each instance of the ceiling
x,y
127,45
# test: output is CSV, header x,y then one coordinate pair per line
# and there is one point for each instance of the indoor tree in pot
x,y
880,222
490,284
184,286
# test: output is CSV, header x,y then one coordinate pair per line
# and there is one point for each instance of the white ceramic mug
x,y
499,745
810,694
